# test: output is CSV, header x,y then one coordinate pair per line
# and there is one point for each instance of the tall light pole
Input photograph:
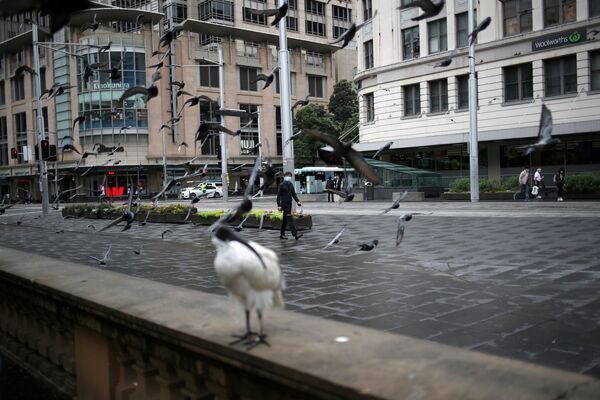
x,y
39,120
473,147
223,136
286,96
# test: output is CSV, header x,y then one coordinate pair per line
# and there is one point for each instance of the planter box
x,y
302,222
582,196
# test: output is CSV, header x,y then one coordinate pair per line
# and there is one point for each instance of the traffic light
x,y
45,149
52,156
14,153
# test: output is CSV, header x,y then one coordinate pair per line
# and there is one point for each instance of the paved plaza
x,y
520,280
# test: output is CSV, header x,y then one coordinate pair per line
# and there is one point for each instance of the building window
x,y
406,3
342,18
517,16
438,95
42,82
251,17
292,83
208,74
178,10
559,11
368,49
410,43
278,135
518,82
3,142
216,9
560,75
315,18
412,99
315,60
438,36
462,30
2,94
292,16
594,8
207,114
367,9
247,76
462,83
316,86
247,49
20,127
595,70
18,88
369,100
249,135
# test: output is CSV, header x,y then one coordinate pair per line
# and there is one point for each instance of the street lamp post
x,y
286,100
39,120
473,147
223,136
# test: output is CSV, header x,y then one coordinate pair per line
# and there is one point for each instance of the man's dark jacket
x,y
285,194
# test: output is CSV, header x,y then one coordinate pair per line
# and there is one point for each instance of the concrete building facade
x,y
533,52
133,29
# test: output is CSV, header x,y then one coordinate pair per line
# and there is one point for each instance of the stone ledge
x,y
303,357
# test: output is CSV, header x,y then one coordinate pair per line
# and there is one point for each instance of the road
x,y
520,280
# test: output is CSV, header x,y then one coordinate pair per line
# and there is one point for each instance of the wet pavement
x,y
522,287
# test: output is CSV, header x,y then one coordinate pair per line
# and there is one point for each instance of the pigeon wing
x,y
546,125
359,164
132,92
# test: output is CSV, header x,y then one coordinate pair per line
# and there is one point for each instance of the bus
x,y
320,174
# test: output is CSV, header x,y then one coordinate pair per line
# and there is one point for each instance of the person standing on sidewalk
x,y
559,181
328,186
538,180
524,183
285,194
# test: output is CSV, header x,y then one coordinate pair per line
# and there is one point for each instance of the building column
x,y
494,170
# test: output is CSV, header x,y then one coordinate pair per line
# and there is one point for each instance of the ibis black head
x,y
408,217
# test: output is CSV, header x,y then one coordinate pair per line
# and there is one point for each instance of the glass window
x,y
518,82
559,11
208,74
316,86
368,50
410,43
369,100
412,99
315,17
438,95
517,16
462,83
560,75
462,30
249,135
216,9
2,93
20,127
3,142
595,70
594,8
18,88
367,9
278,137
247,76
342,18
438,36
292,83
249,16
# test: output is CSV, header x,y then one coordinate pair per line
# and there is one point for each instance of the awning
x,y
257,34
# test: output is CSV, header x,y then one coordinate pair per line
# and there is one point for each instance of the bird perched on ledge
x,y
251,275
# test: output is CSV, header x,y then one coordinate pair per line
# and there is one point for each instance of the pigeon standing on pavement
x,y
368,246
251,275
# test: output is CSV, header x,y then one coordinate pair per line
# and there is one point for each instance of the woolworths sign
x,y
559,40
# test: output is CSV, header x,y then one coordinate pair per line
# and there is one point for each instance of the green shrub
x,y
582,183
211,214
460,185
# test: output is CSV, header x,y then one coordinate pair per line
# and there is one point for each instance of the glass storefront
x,y
98,96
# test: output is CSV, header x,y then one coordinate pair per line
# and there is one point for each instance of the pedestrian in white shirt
x,y
538,180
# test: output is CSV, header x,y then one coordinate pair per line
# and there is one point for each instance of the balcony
x,y
217,10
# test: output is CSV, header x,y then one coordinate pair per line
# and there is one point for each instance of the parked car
x,y
210,191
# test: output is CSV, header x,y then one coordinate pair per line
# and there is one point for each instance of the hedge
x,y
463,185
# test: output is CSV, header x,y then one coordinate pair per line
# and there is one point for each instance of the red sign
x,y
115,191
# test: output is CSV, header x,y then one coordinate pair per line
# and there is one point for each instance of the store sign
x,y
110,85
115,191
558,40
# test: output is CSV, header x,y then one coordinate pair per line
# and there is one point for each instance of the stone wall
x,y
96,334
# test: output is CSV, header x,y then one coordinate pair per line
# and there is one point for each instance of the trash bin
x,y
369,191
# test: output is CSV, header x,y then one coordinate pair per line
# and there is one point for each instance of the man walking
x,y
328,186
524,183
559,181
285,194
